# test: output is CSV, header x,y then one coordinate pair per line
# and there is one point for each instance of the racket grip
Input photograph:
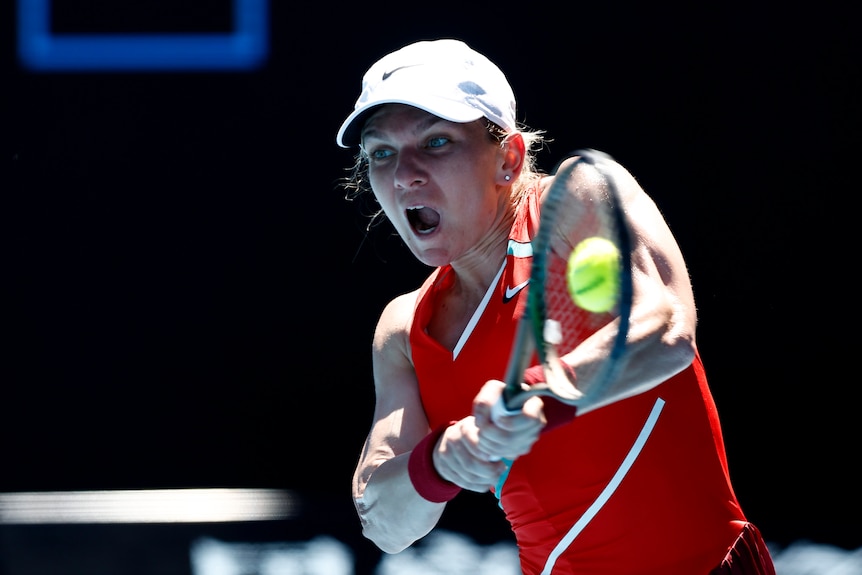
x,y
498,488
500,409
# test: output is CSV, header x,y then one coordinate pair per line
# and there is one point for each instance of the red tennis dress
x,y
637,487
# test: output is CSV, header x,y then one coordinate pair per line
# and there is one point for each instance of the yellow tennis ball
x,y
592,274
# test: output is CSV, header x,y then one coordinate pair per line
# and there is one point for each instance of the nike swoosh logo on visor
x,y
392,71
513,291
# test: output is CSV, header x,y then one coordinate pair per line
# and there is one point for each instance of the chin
x,y
431,257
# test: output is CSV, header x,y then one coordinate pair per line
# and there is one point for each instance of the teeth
x,y
415,207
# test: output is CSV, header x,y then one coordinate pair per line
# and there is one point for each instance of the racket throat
x,y
559,378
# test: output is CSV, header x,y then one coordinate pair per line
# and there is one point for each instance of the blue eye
x,y
438,141
380,154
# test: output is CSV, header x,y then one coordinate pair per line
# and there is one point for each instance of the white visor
x,y
443,77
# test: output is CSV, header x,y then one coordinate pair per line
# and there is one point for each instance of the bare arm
x,y
661,339
392,513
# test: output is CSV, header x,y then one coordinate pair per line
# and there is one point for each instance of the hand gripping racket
x,y
591,220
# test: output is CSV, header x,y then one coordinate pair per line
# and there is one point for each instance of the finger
x,y
488,395
467,471
534,411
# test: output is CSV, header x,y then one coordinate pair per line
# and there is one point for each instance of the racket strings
x,y
576,324
570,213
579,216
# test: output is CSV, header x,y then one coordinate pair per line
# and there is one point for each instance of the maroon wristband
x,y
424,476
556,412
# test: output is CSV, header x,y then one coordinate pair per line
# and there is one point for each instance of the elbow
x,y
678,338
388,546
680,354
679,346
388,533
387,540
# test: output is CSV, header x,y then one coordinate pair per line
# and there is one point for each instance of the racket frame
x,y
532,333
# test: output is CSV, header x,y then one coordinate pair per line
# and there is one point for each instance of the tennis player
x,y
635,481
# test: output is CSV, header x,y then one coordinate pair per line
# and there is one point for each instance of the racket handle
x,y
498,488
499,410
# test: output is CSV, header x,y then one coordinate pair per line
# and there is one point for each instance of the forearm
x,y
660,344
393,515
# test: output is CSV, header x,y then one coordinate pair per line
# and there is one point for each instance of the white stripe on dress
x,y
603,497
478,313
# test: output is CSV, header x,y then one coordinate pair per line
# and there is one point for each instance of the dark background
x,y
189,299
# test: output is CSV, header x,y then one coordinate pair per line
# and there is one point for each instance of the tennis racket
x,y
553,324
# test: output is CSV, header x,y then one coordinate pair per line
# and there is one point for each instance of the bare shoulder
x,y
588,178
393,326
399,310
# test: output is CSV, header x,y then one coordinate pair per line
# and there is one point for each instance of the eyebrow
x,y
424,124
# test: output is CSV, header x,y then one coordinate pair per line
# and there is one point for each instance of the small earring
x,y
507,177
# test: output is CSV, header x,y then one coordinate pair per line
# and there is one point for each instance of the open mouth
x,y
423,220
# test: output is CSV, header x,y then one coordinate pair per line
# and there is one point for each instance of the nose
x,y
409,171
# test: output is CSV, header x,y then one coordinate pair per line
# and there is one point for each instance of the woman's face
x,y
437,181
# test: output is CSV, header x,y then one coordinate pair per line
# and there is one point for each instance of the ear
x,y
513,152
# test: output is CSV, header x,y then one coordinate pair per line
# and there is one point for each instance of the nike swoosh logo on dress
x,y
513,291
